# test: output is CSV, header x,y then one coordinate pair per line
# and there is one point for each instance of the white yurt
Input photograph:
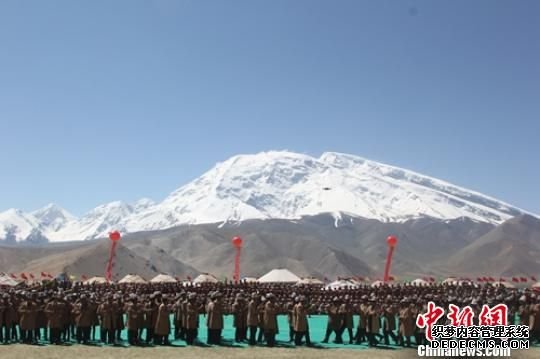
x,y
451,280
132,279
95,280
163,278
7,281
341,283
456,281
205,278
279,276
310,281
420,282
536,285
377,283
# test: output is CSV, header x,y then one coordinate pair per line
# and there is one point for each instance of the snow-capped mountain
x,y
95,224
15,225
276,184
53,217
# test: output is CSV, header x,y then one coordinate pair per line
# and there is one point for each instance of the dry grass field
x,y
78,351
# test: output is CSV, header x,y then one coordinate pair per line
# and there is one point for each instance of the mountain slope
x,y
312,245
87,258
511,248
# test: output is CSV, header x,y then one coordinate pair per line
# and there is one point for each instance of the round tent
x,y
451,280
536,287
342,283
279,276
163,278
248,280
419,281
456,281
132,279
310,281
95,280
205,278
377,283
7,281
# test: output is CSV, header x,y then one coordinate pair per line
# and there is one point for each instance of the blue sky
x,y
118,100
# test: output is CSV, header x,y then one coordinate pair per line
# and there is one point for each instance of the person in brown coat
x,y
54,311
95,319
66,319
361,309
214,319
407,322
240,312
534,323
373,324
7,319
119,317
27,319
389,324
163,324
260,309
151,309
2,310
289,307
179,317
253,317
300,320
134,315
192,318
335,321
107,314
270,320
346,311
83,319
41,319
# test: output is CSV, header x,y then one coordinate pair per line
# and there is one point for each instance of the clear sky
x,y
118,100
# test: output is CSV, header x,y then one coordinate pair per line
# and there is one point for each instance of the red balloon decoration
x,y
391,241
237,242
114,236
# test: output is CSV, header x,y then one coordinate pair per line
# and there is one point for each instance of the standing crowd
x,y
153,314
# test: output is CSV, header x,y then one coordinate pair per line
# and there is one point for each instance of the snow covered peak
x,y
95,224
15,225
53,216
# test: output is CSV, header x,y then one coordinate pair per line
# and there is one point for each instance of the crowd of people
x,y
153,314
